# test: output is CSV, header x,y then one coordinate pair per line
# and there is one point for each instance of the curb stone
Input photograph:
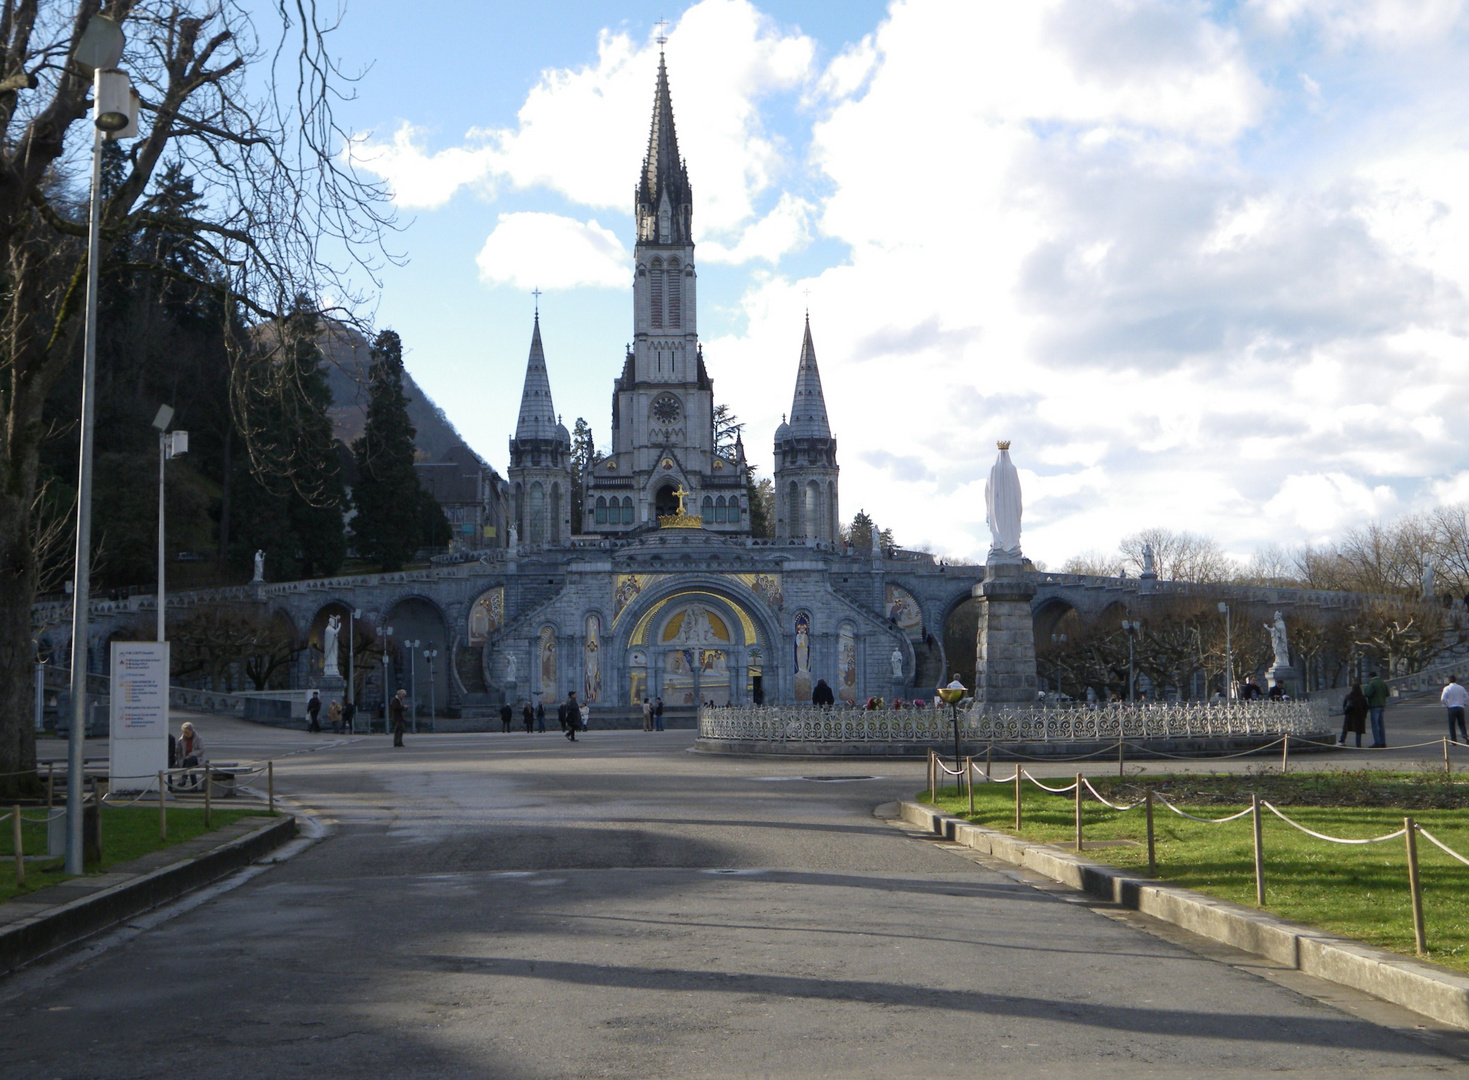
x,y
1414,984
33,937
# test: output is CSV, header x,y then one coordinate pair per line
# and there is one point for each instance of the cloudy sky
x,y
1204,263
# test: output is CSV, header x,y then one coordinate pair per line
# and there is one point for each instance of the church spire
x,y
664,207
537,413
808,408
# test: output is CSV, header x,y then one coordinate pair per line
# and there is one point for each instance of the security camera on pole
x,y
115,112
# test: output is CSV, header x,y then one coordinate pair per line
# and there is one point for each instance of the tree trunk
x,y
17,650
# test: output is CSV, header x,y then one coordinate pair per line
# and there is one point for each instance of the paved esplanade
x,y
513,906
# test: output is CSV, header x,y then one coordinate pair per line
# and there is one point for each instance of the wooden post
x,y
1119,752
207,786
1259,852
20,852
989,753
932,794
162,807
969,779
1285,753
1414,886
50,786
1017,796
1152,854
270,782
1446,768
1078,812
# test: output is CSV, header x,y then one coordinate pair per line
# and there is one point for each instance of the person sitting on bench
x,y
190,752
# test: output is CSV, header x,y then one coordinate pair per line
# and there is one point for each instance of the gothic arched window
x,y
720,510
675,295
601,510
627,511
708,509
734,511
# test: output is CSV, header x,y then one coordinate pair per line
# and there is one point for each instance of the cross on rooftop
x,y
662,38
536,292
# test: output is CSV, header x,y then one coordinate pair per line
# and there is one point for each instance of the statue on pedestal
x,y
510,669
329,646
1002,509
897,661
1428,588
1278,641
259,577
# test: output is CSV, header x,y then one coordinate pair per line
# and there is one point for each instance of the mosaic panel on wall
x,y
802,681
547,656
486,615
904,610
592,663
847,664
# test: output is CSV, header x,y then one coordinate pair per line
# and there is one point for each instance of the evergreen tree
x,y
391,513
583,457
761,493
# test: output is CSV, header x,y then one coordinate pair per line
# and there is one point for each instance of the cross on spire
x,y
536,292
662,38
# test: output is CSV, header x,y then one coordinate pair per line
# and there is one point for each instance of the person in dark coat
x,y
1354,714
571,715
528,716
541,716
507,714
822,695
396,713
313,710
658,714
349,713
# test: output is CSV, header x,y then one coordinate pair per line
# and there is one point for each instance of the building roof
x,y
537,411
808,407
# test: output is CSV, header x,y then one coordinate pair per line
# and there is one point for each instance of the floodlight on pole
x,y
115,108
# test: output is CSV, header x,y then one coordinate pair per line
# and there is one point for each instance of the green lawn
x,y
127,833
1359,891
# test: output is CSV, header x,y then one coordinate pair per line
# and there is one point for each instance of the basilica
x,y
660,590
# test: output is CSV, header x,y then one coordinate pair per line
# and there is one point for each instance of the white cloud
x,y
1392,23
1323,504
582,132
548,251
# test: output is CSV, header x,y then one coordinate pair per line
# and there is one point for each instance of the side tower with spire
x,y
539,475
663,404
806,460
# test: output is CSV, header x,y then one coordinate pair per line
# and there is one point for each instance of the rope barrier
x,y
1436,842
1052,790
1098,796
1206,821
1323,836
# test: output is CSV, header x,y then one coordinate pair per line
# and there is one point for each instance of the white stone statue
x,y
1428,568
329,646
1002,509
897,661
510,668
1278,641
1148,560
514,538
696,628
259,577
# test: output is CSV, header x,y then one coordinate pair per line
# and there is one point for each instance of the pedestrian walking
x,y
313,710
658,715
349,714
334,716
571,714
647,715
528,716
541,716
1354,714
823,695
586,717
507,714
396,716
1376,693
1454,698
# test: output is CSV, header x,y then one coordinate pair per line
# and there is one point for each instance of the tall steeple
x,y
664,201
537,413
808,407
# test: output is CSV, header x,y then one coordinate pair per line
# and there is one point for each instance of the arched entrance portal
x,y
665,503
695,647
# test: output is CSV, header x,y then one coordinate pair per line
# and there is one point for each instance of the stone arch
x,y
961,628
664,500
793,509
536,512
416,617
655,293
1049,616
555,515
675,295
833,524
811,509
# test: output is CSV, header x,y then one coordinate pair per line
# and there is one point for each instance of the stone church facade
x,y
660,590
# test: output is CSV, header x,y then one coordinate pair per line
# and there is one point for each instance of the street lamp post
x,y
1131,626
171,444
114,116
413,679
352,666
1228,655
431,655
387,674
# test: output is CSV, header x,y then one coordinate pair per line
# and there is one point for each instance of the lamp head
x,y
164,417
101,43
1223,608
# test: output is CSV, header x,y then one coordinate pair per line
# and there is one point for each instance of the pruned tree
x,y
244,110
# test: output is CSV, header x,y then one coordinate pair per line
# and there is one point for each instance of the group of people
x,y
1366,704
570,714
653,715
340,713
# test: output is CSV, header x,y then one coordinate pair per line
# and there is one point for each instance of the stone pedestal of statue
x,y
1285,675
1004,664
332,688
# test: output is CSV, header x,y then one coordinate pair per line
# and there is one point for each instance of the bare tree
x,y
1178,556
1094,564
246,111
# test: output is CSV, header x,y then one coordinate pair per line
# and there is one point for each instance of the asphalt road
x,y
513,906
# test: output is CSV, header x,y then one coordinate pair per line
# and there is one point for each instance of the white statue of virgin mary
x,y
1002,506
